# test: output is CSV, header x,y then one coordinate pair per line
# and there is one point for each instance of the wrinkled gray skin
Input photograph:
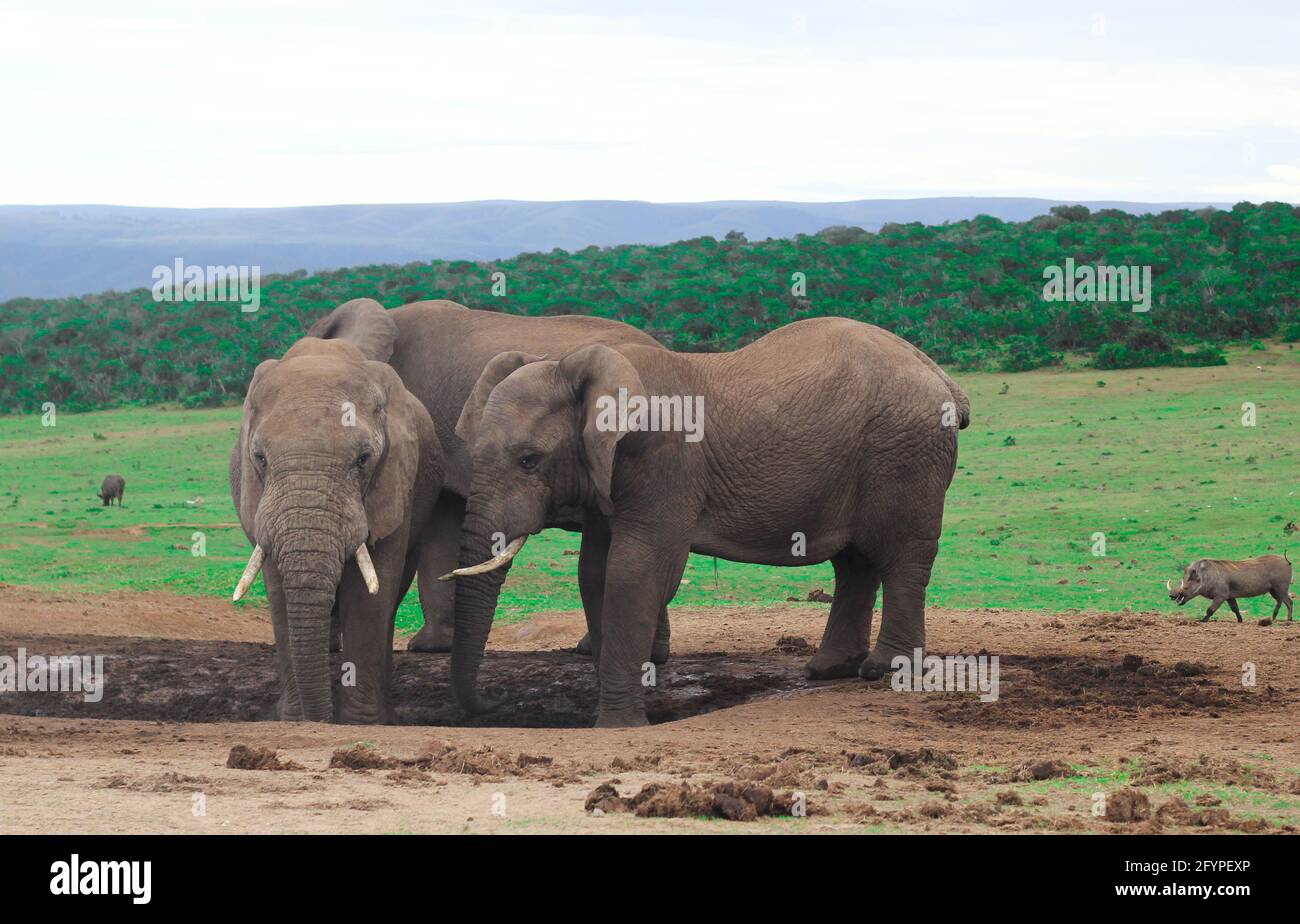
x,y
439,349
112,489
311,484
827,427
1218,580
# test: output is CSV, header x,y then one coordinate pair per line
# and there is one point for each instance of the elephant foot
x,y
584,645
880,662
434,636
622,718
357,715
830,665
872,671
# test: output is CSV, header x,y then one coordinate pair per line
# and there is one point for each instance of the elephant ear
x,y
245,486
362,321
595,372
411,454
497,368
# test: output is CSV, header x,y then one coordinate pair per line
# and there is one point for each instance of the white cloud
x,y
260,105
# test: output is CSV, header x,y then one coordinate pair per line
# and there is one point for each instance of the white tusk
x,y
250,572
367,569
491,564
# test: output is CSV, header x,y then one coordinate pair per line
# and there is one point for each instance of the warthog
x,y
112,489
1220,580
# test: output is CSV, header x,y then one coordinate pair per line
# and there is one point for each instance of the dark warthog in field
x,y
112,489
1220,580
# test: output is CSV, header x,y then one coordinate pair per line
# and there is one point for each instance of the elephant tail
x,y
363,322
959,398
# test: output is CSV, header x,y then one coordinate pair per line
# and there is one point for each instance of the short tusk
x,y
367,569
250,572
1169,585
491,564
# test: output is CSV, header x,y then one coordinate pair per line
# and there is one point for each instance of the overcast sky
x,y
258,104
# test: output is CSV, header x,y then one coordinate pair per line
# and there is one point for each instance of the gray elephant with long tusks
x,y
439,349
334,476
825,440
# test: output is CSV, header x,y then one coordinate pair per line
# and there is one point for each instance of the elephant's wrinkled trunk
x,y
310,561
476,603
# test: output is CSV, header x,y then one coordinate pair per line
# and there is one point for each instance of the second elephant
x,y
825,440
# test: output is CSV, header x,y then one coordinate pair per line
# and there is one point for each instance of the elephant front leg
x,y
902,619
640,578
364,683
591,580
659,652
439,553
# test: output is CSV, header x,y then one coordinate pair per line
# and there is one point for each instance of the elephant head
x,y
539,454
326,464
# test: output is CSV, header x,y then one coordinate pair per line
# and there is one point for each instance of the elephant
x,y
334,476
826,439
113,487
439,348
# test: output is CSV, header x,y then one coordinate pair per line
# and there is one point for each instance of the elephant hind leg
x,y
902,621
439,553
663,638
336,630
844,643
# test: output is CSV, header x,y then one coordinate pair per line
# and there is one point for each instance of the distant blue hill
x,y
60,250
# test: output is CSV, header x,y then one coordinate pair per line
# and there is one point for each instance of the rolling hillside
x,y
63,250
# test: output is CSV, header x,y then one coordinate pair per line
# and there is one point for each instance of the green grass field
x,y
1155,460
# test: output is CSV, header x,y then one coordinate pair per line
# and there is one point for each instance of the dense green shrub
x,y
1121,356
1025,353
970,293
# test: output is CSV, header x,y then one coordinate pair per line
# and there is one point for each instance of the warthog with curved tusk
x,y
1219,580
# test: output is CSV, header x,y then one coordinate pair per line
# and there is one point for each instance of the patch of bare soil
x,y
1095,713
28,613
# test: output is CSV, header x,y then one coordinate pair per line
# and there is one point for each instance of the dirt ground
x,y
1091,705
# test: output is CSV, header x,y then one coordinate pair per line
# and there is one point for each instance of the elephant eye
x,y
260,458
363,459
530,460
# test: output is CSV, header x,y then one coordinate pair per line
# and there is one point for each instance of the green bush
x,y
1121,356
970,293
1025,353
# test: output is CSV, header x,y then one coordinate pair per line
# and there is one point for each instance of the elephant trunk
x,y
310,561
476,603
